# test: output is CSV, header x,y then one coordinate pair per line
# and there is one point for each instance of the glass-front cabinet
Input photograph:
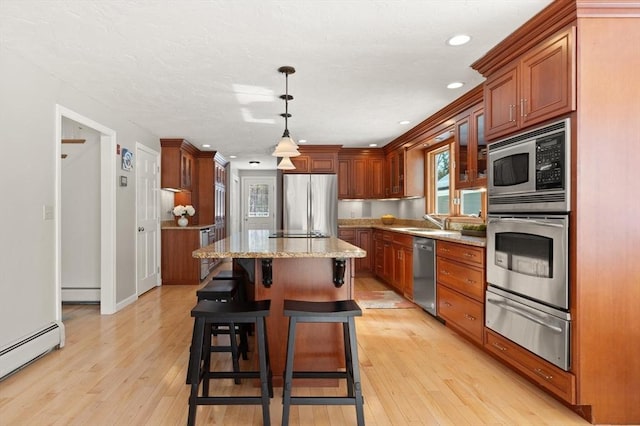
x,y
471,149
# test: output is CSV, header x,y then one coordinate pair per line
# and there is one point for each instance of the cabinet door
x,y
186,170
387,268
547,80
363,240
463,166
376,178
344,179
500,102
479,154
408,273
359,178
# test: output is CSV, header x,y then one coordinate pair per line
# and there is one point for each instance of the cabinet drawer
x,y
403,239
461,277
462,313
550,377
347,234
461,252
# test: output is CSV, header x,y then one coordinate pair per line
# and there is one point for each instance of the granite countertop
x,y
257,244
170,224
436,234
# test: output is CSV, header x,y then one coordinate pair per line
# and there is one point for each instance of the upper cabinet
x,y
537,87
471,149
211,188
178,164
405,173
360,173
320,159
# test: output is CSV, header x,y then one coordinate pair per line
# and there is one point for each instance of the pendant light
x,y
286,147
286,164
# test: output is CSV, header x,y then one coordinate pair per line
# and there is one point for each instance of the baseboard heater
x,y
31,347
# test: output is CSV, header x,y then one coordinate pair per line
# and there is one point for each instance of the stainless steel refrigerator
x,y
310,203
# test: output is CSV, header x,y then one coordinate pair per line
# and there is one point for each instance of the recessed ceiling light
x,y
302,141
459,40
206,145
233,156
373,145
455,85
254,163
404,122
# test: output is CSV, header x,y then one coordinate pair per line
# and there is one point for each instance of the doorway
x,y
107,189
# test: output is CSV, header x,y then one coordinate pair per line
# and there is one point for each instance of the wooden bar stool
x,y
343,311
207,313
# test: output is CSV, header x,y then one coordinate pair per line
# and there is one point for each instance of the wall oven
x,y
531,171
527,299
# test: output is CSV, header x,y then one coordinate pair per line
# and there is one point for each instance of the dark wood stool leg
x,y
348,361
264,376
195,362
206,357
233,341
288,372
356,371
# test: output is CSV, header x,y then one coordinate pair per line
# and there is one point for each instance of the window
x,y
258,200
442,198
439,188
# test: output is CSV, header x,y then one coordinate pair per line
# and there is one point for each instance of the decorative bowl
x,y
388,219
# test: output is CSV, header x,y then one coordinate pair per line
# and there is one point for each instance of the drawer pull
x,y
543,374
470,281
447,304
444,272
469,317
467,254
499,346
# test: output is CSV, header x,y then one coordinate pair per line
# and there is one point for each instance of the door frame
x,y
271,180
107,210
142,147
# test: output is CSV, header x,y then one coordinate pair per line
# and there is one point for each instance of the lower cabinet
x,y
360,237
393,260
178,266
460,278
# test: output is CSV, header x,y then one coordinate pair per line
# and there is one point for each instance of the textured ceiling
x,y
207,70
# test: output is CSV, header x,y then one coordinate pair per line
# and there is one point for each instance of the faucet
x,y
440,224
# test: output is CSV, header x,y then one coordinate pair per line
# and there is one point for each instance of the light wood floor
x,y
129,369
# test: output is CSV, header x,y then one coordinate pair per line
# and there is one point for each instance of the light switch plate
x,y
47,212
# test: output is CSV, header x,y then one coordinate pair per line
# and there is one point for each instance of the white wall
x,y
80,181
28,97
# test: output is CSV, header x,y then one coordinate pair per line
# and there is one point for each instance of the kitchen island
x,y
314,269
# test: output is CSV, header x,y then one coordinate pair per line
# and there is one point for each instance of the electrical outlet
x,y
47,212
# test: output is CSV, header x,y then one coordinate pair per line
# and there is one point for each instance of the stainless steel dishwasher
x,y
424,274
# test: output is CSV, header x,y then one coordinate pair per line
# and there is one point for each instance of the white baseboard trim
x,y
80,294
24,351
129,300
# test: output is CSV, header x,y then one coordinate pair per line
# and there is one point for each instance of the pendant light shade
x,y
286,147
286,164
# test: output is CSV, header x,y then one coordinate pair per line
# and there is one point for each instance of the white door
x,y
259,202
148,219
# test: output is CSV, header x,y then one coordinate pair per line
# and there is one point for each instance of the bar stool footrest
x,y
323,400
320,375
229,400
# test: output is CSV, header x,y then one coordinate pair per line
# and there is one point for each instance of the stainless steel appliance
x,y
204,263
528,255
542,330
527,300
530,172
310,203
424,274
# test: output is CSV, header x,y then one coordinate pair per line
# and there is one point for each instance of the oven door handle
x,y
525,222
506,306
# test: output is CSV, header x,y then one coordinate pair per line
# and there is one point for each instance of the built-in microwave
x,y
530,172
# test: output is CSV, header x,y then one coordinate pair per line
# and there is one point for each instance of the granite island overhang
x,y
314,269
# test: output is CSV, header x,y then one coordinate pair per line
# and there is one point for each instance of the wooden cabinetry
x,y
178,164
393,260
178,266
210,202
547,375
535,88
470,167
405,173
360,237
460,278
360,173
316,159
